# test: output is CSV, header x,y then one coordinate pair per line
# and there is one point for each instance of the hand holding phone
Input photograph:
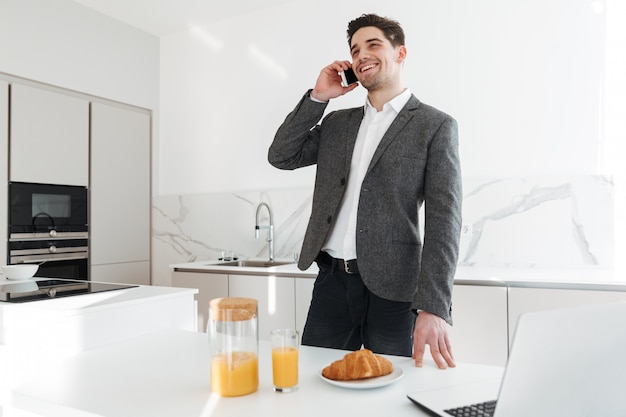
x,y
328,86
348,77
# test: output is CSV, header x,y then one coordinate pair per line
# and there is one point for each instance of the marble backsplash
x,y
533,222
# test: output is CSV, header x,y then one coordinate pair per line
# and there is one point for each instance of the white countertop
x,y
573,278
567,278
92,302
214,266
167,374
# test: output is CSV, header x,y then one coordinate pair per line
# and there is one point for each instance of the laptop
x,y
565,362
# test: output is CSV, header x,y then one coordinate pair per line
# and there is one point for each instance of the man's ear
x,y
401,54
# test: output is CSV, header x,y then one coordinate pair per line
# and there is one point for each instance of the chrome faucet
x,y
270,228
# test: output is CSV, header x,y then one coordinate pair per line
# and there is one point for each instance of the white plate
x,y
379,381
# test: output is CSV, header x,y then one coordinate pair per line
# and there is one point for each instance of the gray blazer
x,y
416,162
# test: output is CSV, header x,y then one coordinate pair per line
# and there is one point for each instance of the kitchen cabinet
x,y
55,136
480,330
209,286
275,296
277,307
522,300
4,156
125,273
120,192
49,136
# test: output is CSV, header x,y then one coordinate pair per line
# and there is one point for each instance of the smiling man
x,y
380,285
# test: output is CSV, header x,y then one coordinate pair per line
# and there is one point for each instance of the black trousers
x,y
344,314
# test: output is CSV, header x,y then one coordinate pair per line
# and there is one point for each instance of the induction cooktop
x,y
45,289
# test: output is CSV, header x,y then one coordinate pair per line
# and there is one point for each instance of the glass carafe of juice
x,y
233,336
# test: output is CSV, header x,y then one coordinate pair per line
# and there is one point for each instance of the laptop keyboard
x,y
485,409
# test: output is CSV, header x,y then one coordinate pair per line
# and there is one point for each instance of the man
x,y
376,165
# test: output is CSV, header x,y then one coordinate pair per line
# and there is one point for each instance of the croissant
x,y
359,364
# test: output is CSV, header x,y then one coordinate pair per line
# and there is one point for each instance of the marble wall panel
x,y
534,222
539,222
196,227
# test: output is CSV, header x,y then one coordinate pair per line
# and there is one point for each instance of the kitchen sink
x,y
254,263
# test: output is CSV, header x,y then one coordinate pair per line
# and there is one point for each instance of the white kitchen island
x,y
38,335
166,374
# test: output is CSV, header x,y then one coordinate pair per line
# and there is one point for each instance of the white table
x,y
167,374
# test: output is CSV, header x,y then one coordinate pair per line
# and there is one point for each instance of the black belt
x,y
349,266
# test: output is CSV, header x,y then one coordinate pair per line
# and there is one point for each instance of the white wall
x,y
524,79
67,45
62,43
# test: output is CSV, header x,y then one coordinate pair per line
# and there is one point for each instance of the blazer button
x,y
329,219
343,181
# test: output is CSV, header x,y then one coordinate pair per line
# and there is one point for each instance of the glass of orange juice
x,y
285,344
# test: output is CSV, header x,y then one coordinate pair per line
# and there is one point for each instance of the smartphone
x,y
348,77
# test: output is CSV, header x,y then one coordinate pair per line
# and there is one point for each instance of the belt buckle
x,y
346,266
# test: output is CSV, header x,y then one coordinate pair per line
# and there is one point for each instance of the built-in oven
x,y
48,225
57,258
42,210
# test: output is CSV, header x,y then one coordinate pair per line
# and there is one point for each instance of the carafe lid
x,y
233,308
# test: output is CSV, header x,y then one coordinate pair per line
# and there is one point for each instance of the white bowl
x,y
21,271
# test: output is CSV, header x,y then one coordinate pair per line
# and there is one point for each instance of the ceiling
x,y
162,17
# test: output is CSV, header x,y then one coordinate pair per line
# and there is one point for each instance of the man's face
x,y
375,61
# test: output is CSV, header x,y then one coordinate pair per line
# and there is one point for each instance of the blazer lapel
x,y
405,115
352,131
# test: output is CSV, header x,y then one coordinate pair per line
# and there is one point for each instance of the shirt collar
x,y
396,103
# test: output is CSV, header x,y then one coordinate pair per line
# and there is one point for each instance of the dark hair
x,y
391,28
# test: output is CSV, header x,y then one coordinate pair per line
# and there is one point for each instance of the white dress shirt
x,y
341,242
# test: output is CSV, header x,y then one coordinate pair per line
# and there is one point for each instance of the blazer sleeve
x,y
443,203
296,142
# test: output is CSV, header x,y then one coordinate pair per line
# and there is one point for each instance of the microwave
x,y
39,211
